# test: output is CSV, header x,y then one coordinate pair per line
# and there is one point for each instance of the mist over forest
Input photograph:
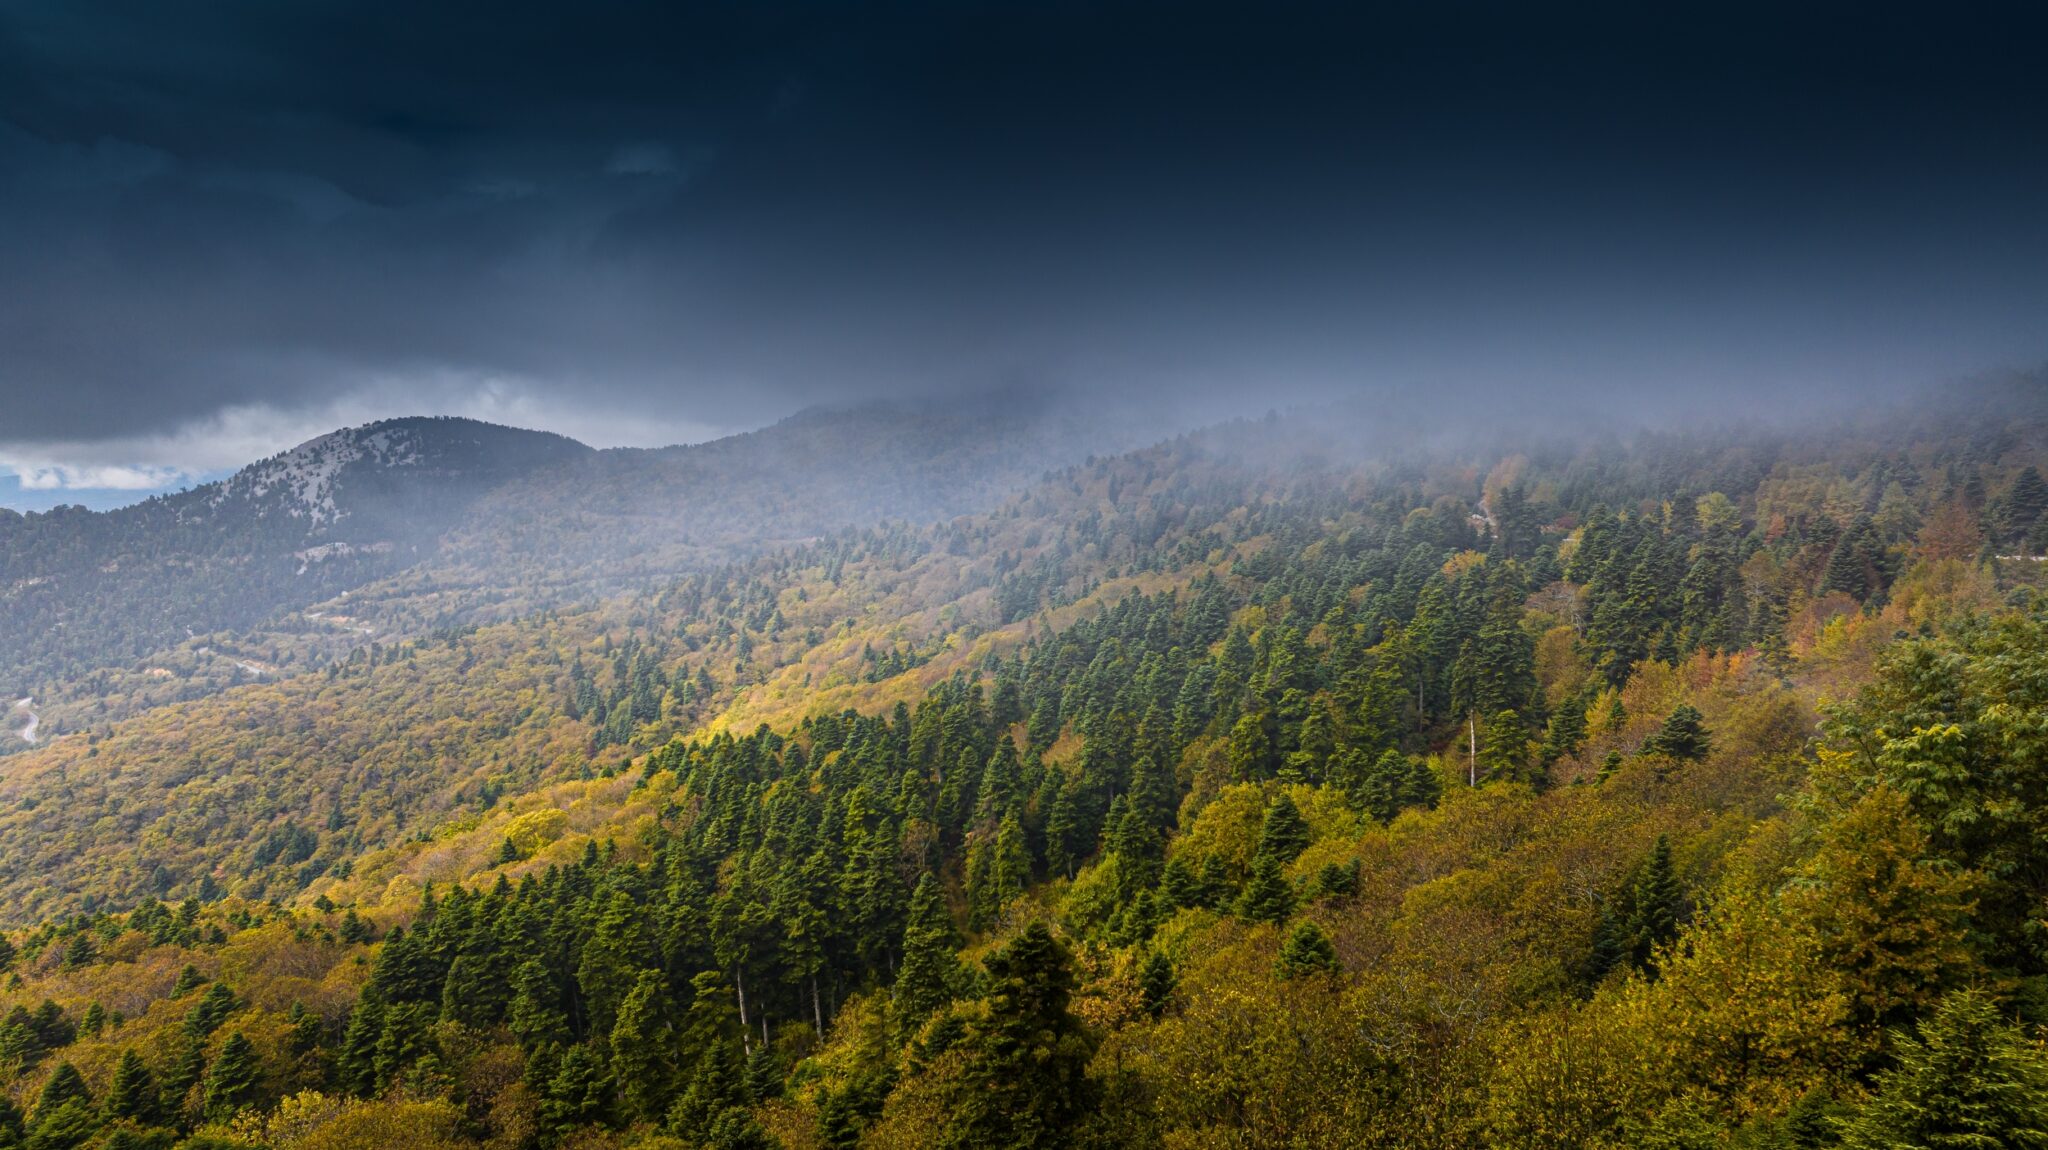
x,y
936,576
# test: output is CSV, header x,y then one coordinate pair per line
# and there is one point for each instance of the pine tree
x,y
353,930
1024,1083
930,971
189,980
1504,748
2025,503
1641,916
536,1016
185,1074
1135,842
613,957
356,1065
1966,1080
231,1082
1251,748
1156,982
71,1124
1565,734
1062,827
1284,834
718,1087
1308,951
1420,787
1683,736
642,1045
737,1129
132,1096
764,1074
1267,897
65,1085
210,1011
579,1094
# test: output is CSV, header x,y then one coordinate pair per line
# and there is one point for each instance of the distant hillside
x,y
427,524
81,590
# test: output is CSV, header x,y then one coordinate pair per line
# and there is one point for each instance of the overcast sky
x,y
226,227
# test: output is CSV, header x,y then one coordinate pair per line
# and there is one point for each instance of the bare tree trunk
x,y
817,1009
739,984
1472,754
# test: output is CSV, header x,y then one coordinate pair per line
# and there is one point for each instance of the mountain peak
x,y
304,481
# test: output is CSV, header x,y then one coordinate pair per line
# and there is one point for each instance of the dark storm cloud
x,y
672,217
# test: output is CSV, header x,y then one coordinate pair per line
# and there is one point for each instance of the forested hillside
x,y
412,526
1267,787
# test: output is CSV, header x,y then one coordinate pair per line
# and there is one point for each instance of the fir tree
x,y
132,1095
1284,834
1308,951
1504,748
210,1011
1683,736
63,1127
185,1074
1251,748
612,960
1024,1084
65,1085
1266,897
930,971
356,1065
231,1081
1966,1080
1156,982
1642,915
1420,786
536,1016
579,1093
764,1074
642,1050
189,980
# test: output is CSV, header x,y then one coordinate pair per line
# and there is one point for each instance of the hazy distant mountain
x,y
481,521
81,589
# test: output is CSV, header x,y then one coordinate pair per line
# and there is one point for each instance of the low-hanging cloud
x,y
225,440
647,222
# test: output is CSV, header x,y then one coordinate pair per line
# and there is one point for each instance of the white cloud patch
x,y
65,477
237,436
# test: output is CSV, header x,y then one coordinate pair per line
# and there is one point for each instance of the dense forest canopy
x,y
1270,786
